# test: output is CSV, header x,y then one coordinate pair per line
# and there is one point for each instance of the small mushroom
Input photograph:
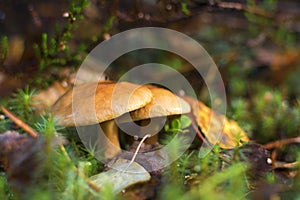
x,y
164,103
93,103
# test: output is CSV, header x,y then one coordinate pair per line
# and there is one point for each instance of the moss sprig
x,y
54,50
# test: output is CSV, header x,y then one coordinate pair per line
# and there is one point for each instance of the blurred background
x,y
254,43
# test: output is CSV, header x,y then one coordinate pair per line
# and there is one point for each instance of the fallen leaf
x,y
46,98
9,84
120,175
148,156
20,158
280,63
143,191
216,127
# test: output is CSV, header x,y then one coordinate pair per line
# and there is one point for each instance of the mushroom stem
x,y
110,144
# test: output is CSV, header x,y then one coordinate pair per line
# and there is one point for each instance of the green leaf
x,y
175,124
185,121
109,23
45,44
4,48
184,9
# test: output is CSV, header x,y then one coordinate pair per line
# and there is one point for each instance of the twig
x,y
282,142
238,6
19,122
283,165
87,180
92,184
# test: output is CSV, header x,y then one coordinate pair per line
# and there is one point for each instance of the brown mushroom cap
x,y
164,103
110,100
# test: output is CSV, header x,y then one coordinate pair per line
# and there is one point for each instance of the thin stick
x,y
282,142
19,122
92,184
284,165
238,6
136,151
87,180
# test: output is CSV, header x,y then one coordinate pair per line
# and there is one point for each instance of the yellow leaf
x,y
216,127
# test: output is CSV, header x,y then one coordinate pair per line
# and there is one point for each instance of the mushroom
x,y
44,100
164,103
93,103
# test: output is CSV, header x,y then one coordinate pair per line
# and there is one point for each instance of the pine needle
x,y
19,122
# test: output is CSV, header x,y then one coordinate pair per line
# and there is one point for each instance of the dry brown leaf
x,y
211,123
9,84
147,156
281,63
20,158
46,98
